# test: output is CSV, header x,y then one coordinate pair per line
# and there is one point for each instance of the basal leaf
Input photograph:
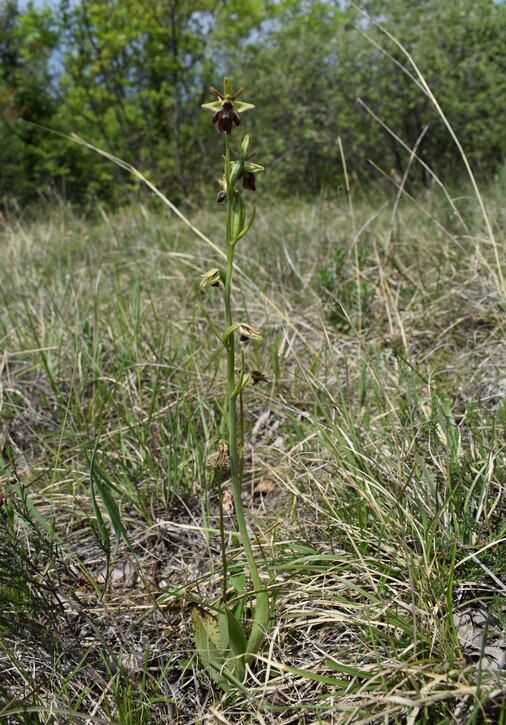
x,y
211,640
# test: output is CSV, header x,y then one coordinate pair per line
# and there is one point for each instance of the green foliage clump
x,y
341,287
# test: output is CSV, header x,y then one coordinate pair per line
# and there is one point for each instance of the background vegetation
x,y
128,76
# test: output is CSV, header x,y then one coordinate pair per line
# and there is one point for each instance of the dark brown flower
x,y
226,110
258,377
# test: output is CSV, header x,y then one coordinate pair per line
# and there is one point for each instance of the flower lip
x,y
225,117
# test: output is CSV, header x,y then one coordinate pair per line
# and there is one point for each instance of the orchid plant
x,y
225,647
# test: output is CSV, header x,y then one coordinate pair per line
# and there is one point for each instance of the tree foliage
x,y
129,76
26,41
132,79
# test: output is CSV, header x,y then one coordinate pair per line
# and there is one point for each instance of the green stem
x,y
261,612
224,561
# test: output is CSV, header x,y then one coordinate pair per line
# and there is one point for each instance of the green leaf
x,y
212,325
100,529
348,669
211,640
246,229
101,483
236,634
238,582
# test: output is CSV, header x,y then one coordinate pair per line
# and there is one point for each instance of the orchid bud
x,y
244,147
237,169
213,278
246,332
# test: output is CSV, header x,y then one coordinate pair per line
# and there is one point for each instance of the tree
x,y
26,42
310,66
132,76
460,48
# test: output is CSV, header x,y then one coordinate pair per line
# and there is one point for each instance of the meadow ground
x,y
374,479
